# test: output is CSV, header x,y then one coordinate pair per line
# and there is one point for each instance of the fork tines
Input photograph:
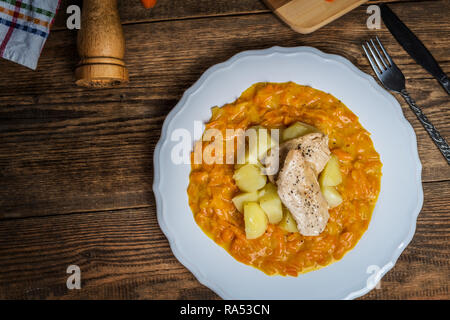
x,y
379,62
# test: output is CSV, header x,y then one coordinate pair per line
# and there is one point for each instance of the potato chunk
x,y
271,204
249,178
331,175
332,196
268,188
259,145
242,198
255,220
288,222
247,159
296,130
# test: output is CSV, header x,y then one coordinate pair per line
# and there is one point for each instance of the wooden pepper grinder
x,y
101,46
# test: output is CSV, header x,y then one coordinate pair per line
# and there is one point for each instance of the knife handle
x,y
432,131
445,82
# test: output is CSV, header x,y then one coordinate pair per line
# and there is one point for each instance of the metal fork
x,y
393,79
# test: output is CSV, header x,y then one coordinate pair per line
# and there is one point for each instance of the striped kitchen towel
x,y
24,28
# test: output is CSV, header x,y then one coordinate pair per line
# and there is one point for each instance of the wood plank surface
x,y
131,11
76,164
124,255
60,159
153,49
63,150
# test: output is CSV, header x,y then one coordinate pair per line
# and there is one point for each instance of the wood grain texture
x,y
124,255
275,4
306,16
153,49
132,11
76,165
87,157
65,149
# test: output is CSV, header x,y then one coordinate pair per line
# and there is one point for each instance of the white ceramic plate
x,y
394,218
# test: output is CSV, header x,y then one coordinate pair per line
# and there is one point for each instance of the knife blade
x,y
415,48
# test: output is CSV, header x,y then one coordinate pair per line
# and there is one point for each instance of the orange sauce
x,y
277,105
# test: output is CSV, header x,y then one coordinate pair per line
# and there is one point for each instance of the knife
x,y
413,46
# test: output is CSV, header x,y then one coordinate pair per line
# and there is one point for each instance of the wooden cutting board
x,y
306,16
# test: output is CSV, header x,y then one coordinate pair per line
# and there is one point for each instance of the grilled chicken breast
x,y
299,191
314,148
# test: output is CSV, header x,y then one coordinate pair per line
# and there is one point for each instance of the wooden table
x,y
76,165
